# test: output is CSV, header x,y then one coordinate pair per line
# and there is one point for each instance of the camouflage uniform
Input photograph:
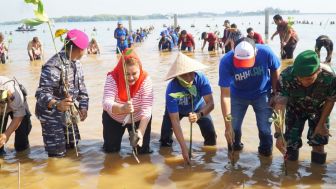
x,y
54,129
305,103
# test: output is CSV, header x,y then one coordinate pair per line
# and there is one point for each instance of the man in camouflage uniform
x,y
61,85
307,91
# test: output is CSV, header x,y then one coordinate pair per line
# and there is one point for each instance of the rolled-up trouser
x,y
56,135
113,132
21,141
295,121
205,124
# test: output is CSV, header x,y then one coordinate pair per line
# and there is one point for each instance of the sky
x,y
13,10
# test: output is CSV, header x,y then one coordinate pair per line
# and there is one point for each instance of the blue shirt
x,y
249,83
183,105
118,32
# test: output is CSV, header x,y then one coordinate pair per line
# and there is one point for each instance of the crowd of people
x,y
249,74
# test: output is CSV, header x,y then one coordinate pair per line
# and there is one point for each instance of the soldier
x,y
13,103
61,85
307,92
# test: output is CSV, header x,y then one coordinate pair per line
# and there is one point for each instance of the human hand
x,y
83,114
186,157
280,145
229,134
64,104
193,117
128,107
3,139
322,130
140,137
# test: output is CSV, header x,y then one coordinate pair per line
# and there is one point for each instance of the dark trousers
x,y
3,58
211,47
288,50
113,132
21,141
205,124
227,48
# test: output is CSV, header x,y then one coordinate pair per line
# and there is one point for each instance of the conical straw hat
x,y
182,65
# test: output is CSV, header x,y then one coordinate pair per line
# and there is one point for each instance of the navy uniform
x,y
57,136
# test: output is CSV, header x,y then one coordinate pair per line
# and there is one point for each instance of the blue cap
x,y
163,33
119,22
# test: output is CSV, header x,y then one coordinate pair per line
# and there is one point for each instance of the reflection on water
x,y
164,168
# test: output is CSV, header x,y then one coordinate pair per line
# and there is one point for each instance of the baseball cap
x,y
244,53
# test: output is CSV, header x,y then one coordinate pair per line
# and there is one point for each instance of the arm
x,y
109,104
204,42
226,110
44,94
16,121
326,110
275,78
274,34
115,34
146,104
209,104
83,97
193,43
174,117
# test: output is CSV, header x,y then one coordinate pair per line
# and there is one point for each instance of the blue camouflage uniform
x,y
54,130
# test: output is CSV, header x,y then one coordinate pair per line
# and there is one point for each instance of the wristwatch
x,y
276,135
54,106
228,118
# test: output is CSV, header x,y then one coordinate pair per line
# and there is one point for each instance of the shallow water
x,y
164,168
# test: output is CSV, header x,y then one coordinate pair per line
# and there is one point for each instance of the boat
x,y
25,28
192,25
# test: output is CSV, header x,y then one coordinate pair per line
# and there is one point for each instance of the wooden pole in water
x,y
130,23
266,24
175,20
19,175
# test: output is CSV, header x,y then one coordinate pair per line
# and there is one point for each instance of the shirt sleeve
x,y
225,75
83,96
18,104
110,91
284,85
273,61
50,77
205,88
147,97
171,103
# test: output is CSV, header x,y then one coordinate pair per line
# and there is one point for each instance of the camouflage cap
x,y
306,63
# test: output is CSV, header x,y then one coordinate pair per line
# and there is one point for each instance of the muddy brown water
x,y
164,168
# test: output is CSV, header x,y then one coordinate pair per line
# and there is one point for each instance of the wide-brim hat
x,y
182,65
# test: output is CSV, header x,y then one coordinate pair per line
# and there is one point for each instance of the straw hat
x,y
182,65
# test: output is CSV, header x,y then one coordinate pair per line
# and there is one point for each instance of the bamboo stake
x,y
129,98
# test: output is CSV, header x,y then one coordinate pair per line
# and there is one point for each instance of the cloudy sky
x,y
16,9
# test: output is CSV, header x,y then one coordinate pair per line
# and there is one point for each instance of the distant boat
x,y
25,28
192,25
164,25
208,25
